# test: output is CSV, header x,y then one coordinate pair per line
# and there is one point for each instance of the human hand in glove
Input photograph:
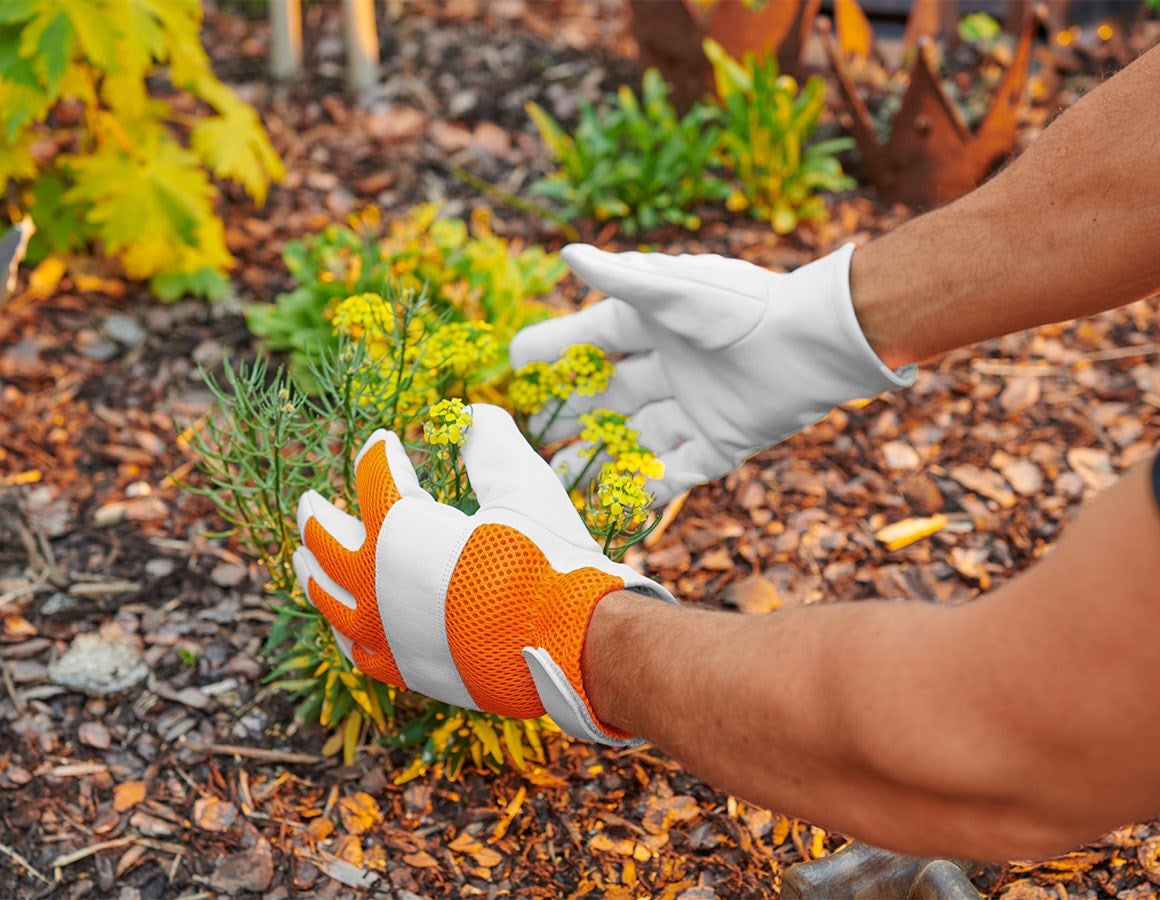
x,y
487,611
724,358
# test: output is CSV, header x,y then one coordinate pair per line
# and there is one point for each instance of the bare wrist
x,y
602,659
871,285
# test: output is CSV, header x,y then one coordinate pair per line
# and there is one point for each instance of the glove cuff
x,y
865,369
562,692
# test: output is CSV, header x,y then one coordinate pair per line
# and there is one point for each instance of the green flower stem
x,y
587,467
538,440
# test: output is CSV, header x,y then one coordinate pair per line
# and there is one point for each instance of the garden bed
x,y
194,781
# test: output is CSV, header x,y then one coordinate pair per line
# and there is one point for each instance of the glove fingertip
x,y
301,562
306,510
379,435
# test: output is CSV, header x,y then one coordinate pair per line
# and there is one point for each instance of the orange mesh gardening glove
x,y
487,611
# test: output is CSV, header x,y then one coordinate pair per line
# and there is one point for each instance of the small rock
x,y
461,103
92,345
251,870
58,603
160,567
228,574
109,514
106,662
125,330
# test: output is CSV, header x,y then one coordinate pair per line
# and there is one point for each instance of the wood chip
x,y
901,534
984,482
754,594
1093,465
212,814
128,794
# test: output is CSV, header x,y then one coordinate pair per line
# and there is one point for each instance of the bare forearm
x,y
982,730
1070,228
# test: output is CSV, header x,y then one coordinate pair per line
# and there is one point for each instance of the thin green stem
x,y
538,440
587,467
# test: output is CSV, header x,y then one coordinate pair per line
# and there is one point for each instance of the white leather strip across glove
x,y
725,358
487,611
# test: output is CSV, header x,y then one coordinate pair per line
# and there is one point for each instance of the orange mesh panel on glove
x,y
355,571
505,596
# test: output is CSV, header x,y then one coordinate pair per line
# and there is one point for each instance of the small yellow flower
x,y
445,423
533,385
367,317
639,461
461,349
586,368
610,429
621,500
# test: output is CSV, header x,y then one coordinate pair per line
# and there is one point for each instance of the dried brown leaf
x,y
421,860
360,812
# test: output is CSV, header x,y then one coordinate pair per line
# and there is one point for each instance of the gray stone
x,y
125,330
59,603
106,662
160,566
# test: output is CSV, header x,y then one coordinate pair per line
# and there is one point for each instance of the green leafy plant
x,y
399,363
113,122
768,124
633,159
473,274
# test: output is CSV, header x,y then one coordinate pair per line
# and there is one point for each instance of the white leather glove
x,y
724,357
487,611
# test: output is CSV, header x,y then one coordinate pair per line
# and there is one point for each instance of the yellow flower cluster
x,y
586,367
533,385
445,423
621,500
582,369
460,349
604,428
365,317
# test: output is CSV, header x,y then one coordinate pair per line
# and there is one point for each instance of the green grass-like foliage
x,y
267,442
633,160
112,124
766,140
469,272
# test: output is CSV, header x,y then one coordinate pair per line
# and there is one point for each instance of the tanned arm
x,y
1015,726
1070,228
